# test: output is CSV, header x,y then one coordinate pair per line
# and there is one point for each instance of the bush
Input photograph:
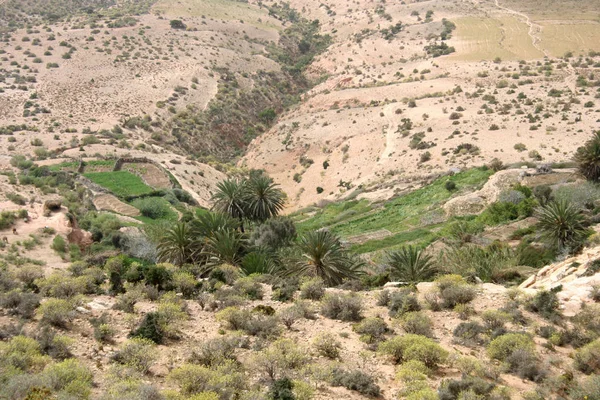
x,y
453,290
327,345
503,346
356,380
56,346
22,354
544,303
281,389
403,301
282,358
587,358
417,322
149,329
185,283
136,353
372,330
450,186
588,389
59,244
274,233
70,377
313,289
20,303
255,324
56,312
414,347
494,319
152,207
216,351
249,288
225,379
466,389
588,158
345,307
467,333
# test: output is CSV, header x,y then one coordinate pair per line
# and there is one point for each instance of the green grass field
x,y
121,183
412,218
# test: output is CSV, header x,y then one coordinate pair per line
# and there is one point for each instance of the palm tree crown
x,y
176,245
322,255
588,158
561,224
411,265
264,198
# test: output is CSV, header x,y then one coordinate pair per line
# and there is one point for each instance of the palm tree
x,y
209,223
561,225
588,158
176,245
264,199
322,255
231,199
410,264
224,247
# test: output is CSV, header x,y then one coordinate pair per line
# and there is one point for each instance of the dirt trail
x,y
390,133
534,29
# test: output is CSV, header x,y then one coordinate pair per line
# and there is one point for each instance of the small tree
x,y
561,225
177,24
588,158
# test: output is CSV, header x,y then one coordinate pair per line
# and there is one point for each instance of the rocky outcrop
x,y
576,275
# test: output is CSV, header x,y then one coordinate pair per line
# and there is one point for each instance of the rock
x,y
51,205
394,284
82,310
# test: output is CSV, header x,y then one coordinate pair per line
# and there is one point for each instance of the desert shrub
x,y
417,323
255,324
356,380
468,333
503,346
313,289
149,328
494,319
56,346
587,358
70,377
56,312
453,290
588,319
414,347
289,316
185,283
59,244
22,353
225,379
126,301
281,389
545,303
403,301
526,365
413,375
371,330
103,329
588,389
345,307
62,286
20,303
171,313
136,353
28,274
216,351
327,345
285,290
588,158
465,389
282,358
249,288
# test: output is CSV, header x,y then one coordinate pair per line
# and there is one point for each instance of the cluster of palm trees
x,y
222,236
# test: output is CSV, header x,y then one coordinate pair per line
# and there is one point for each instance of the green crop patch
x,y
120,183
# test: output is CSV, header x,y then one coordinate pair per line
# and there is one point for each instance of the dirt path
x,y
390,133
534,29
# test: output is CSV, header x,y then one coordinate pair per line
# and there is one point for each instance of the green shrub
x,y
282,358
588,389
281,389
453,290
418,323
22,354
544,303
59,244
503,346
225,379
345,307
56,312
136,353
20,303
152,207
185,283
149,328
249,287
495,319
313,289
467,333
255,324
70,377
372,329
327,345
215,351
414,347
356,380
402,301
587,358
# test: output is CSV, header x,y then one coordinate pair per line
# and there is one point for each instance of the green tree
x,y
322,255
561,225
264,199
177,245
588,158
231,199
410,264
